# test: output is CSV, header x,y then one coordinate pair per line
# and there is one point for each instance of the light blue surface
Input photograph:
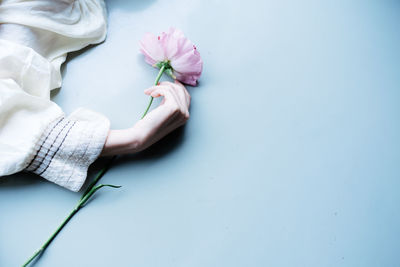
x,y
290,158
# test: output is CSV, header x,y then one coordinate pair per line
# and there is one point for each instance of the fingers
x,y
182,93
178,88
172,113
155,91
175,96
187,95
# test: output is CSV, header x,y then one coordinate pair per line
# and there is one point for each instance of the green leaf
x,y
94,190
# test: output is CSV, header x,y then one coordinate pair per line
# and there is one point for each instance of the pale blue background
x,y
291,156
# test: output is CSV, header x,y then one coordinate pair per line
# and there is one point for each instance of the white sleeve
x,y
68,146
35,135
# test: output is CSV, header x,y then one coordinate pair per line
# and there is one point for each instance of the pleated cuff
x,y
68,147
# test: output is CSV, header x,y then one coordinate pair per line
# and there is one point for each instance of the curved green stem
x,y
80,204
162,69
47,243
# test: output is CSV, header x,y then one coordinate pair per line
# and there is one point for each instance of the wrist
x,y
122,142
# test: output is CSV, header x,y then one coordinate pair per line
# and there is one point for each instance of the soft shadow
x,y
129,5
72,55
17,180
54,92
165,146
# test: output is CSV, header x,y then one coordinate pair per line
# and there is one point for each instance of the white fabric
x,y
35,37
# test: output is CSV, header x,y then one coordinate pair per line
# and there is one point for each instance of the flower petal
x,y
170,42
174,47
188,79
189,63
151,48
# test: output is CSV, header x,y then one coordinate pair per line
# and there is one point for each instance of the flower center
x,y
166,64
167,68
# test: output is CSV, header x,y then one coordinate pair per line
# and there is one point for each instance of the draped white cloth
x,y
35,135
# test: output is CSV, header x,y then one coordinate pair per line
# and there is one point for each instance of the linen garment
x,y
35,134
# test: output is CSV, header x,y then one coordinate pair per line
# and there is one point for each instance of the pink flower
x,y
175,52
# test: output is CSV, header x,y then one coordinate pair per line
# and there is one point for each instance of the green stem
x,y
47,243
99,175
162,69
80,204
92,188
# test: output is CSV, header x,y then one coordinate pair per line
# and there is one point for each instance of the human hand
x,y
172,113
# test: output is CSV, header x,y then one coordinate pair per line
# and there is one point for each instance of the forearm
x,y
122,142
